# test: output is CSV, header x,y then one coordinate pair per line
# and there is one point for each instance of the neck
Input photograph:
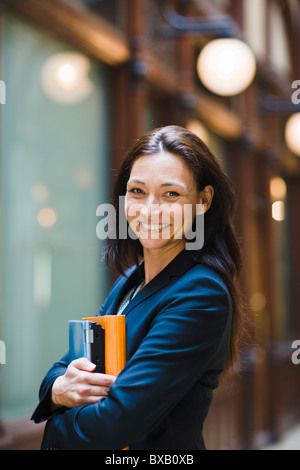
x,y
156,260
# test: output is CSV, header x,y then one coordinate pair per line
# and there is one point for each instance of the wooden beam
x,y
77,25
219,119
159,75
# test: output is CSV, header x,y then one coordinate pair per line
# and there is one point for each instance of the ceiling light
x,y
226,66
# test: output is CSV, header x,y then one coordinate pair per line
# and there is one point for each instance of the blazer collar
x,y
181,263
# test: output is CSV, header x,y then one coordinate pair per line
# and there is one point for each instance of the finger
x,y
83,364
92,400
102,379
98,392
91,391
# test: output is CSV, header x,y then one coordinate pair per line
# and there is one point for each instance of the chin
x,y
153,243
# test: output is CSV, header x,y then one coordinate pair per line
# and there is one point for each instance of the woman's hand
x,y
80,385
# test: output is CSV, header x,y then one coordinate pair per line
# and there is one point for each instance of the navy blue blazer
x,y
178,331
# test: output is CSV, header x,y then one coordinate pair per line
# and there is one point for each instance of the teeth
x,y
154,227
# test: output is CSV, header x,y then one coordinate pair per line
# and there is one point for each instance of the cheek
x,y
132,209
177,215
188,214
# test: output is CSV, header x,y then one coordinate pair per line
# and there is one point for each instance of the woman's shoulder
x,y
200,274
200,285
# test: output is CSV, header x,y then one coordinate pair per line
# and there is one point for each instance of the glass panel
x,y
255,22
279,43
54,175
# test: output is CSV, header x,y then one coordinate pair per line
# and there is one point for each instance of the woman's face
x,y
161,200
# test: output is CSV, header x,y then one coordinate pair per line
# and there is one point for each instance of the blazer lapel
x,y
181,263
125,284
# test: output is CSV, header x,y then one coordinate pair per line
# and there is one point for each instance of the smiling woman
x,y
182,308
175,155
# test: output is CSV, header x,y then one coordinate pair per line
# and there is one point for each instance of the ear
x,y
206,197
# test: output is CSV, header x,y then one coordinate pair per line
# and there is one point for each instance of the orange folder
x,y
115,342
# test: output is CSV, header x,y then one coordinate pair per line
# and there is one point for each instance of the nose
x,y
150,208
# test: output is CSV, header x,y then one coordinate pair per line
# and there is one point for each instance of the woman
x,y
182,306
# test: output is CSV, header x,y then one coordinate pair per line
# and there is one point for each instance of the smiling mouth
x,y
153,227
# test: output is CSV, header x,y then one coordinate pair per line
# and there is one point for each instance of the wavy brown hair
x,y
221,250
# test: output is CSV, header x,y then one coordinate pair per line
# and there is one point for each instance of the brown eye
x,y
135,191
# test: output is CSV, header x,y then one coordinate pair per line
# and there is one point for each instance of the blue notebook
x,y
87,339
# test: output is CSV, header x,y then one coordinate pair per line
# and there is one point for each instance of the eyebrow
x,y
167,183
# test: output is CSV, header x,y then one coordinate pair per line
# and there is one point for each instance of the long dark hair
x,y
221,250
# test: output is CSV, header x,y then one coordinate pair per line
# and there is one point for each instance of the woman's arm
x,y
46,407
69,386
80,385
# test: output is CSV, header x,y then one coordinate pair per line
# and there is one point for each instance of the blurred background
x,y
81,80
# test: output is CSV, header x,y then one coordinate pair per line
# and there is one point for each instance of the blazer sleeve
x,y
44,409
183,342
